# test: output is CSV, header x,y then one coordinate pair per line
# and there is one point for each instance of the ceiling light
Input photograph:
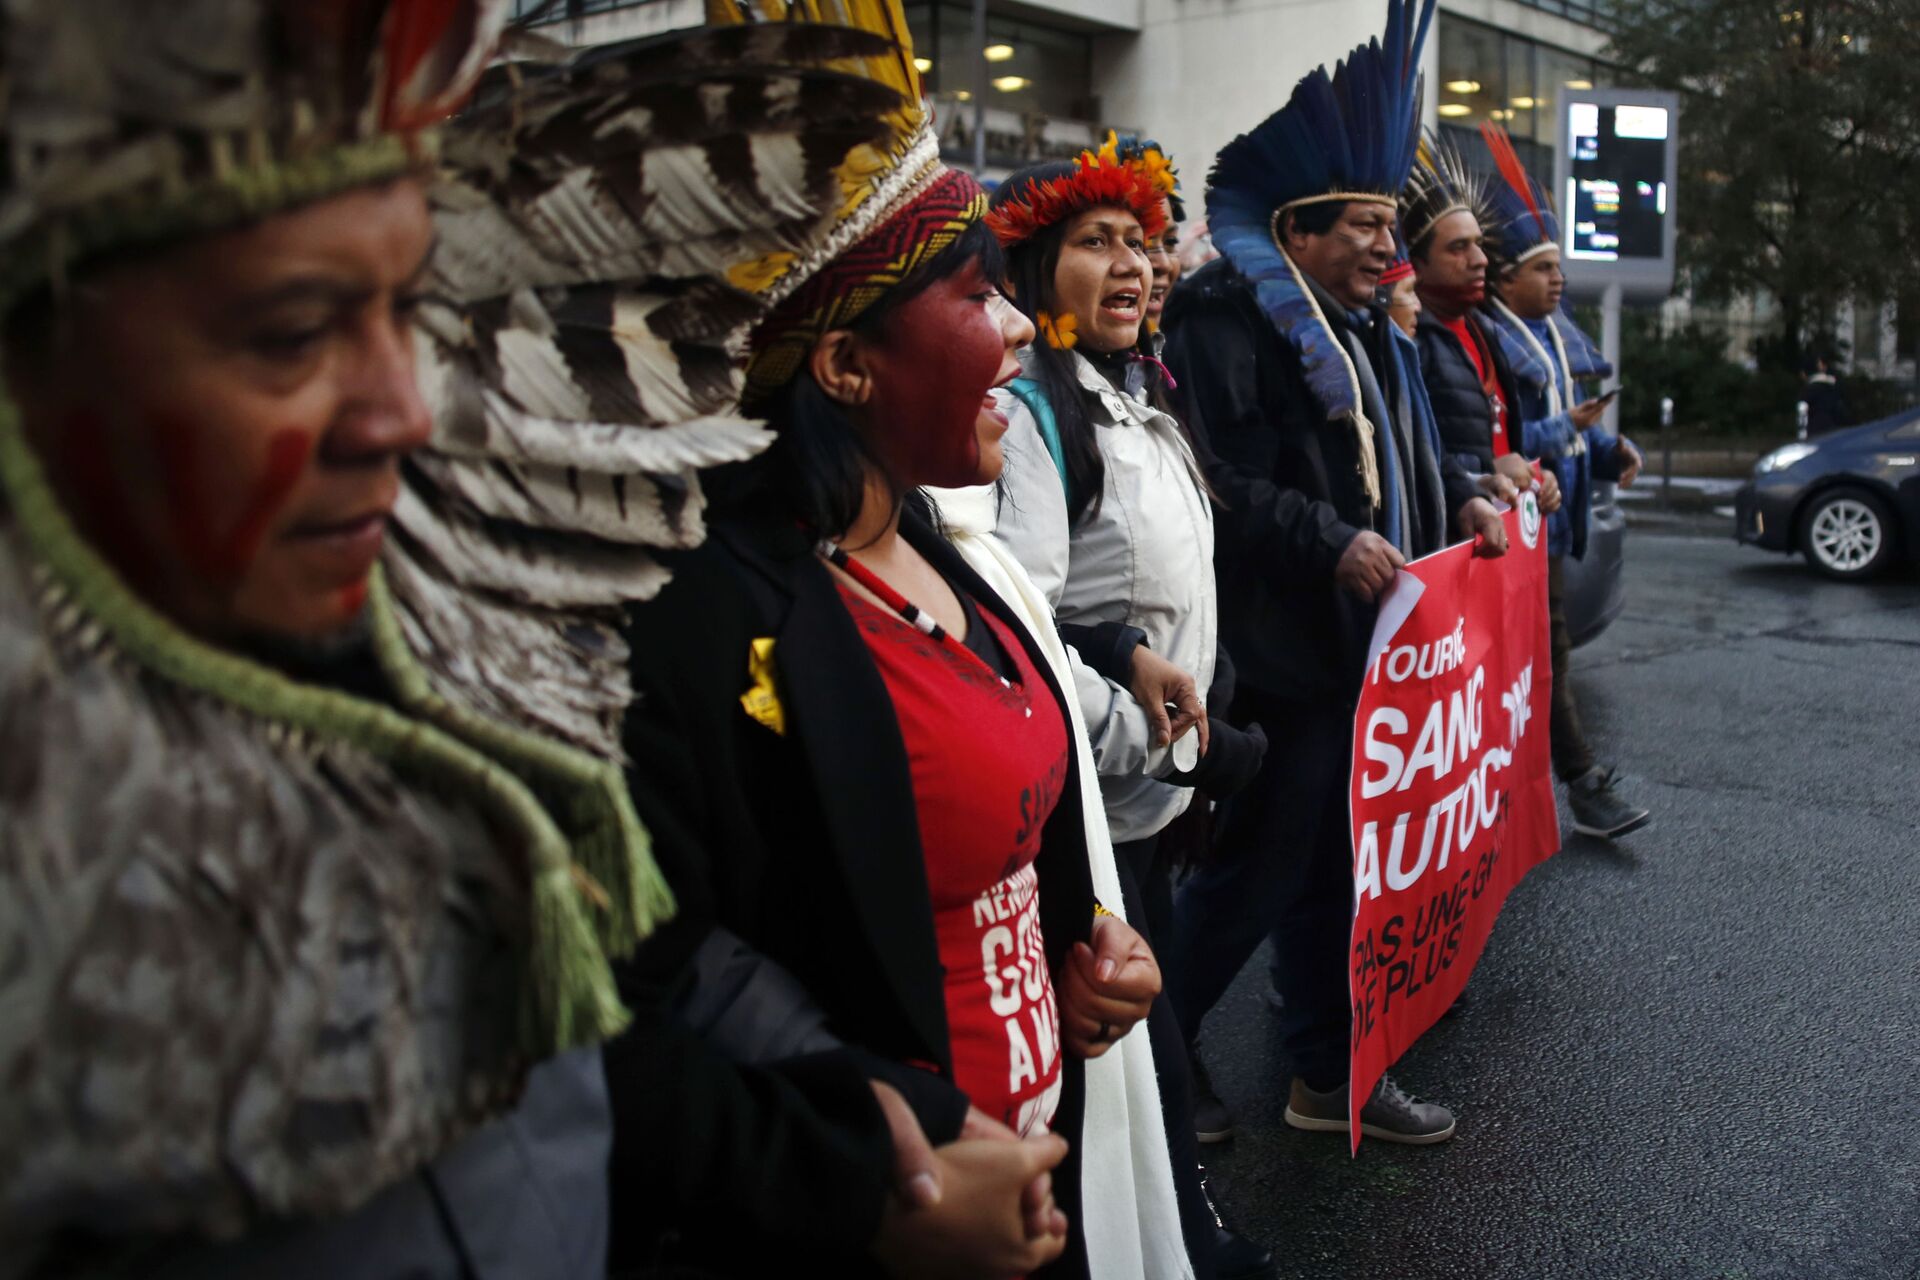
x,y
1579,84
1463,86
962,95
998,52
923,65
1526,104
1451,110
1011,84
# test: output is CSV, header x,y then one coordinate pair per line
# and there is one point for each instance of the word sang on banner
x,y
1452,790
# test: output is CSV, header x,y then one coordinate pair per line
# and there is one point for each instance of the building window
x,y
1489,75
1030,68
1595,13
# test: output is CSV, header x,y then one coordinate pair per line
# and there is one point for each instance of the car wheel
x,y
1847,534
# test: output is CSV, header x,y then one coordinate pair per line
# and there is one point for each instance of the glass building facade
x,y
1030,67
1487,74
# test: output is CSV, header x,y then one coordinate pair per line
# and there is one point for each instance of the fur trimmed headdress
x,y
1342,137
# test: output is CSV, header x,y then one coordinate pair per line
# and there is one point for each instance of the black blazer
x,y
805,844
1289,487
1460,404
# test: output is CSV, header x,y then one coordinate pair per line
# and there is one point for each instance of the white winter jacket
x,y
1144,558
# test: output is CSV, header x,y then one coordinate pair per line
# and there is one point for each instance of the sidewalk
x,y
1695,504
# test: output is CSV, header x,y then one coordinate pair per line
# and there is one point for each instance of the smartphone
x,y
1606,397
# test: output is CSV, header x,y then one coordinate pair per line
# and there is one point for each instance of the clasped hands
x,y
982,1207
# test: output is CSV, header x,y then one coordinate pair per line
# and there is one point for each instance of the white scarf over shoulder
x,y
1131,1219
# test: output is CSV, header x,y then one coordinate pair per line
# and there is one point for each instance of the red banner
x,y
1452,788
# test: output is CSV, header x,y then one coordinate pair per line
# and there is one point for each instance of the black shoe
x,y
1212,1122
1238,1258
1597,811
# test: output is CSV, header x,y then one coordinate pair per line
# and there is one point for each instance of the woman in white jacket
x,y
1104,504
1103,501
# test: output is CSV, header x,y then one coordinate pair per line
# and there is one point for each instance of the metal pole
x,y
1610,347
979,87
1666,451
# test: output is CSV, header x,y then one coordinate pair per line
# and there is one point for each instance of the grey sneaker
x,y
1390,1115
1212,1122
1597,811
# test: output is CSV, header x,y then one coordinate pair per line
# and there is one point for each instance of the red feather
x,y
419,30
1091,185
1515,173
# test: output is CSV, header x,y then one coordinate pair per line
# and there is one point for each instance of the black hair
x,y
1030,268
1314,219
817,469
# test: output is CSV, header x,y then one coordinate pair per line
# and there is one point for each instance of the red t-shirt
x,y
1469,336
989,760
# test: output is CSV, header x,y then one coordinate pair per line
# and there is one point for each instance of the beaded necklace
x,y
913,614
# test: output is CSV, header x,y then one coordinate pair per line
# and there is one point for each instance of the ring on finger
x,y
1104,1034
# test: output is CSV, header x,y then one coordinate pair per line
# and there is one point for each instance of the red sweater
x,y
1469,336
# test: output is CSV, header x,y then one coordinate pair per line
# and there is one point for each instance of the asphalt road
x,y
1696,1055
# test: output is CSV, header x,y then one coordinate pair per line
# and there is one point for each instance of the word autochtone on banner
x,y
1452,789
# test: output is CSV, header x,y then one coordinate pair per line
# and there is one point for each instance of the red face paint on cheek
x,y
944,352
351,600
224,555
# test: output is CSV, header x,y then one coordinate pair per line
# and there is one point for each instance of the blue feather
x,y
1519,229
1353,130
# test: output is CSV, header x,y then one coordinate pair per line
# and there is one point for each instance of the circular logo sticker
x,y
1530,519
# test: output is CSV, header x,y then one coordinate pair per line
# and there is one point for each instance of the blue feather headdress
x,y
1529,225
1346,136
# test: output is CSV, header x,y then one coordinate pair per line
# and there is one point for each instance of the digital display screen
x,y
1617,199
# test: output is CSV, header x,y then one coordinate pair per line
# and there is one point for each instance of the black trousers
x,y
1572,757
1282,868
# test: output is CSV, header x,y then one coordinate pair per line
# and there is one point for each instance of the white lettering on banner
x,y
1457,817
1427,661
1519,702
1394,721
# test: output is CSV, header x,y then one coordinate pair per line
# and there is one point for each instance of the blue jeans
x,y
1282,867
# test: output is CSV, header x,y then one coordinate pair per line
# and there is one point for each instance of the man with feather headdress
x,y
1330,479
316,840
1549,357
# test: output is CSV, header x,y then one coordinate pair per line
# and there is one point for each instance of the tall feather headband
x,y
1442,184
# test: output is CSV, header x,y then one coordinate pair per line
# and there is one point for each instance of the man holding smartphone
x,y
1548,357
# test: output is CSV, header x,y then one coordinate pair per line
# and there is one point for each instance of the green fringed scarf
x,y
595,889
